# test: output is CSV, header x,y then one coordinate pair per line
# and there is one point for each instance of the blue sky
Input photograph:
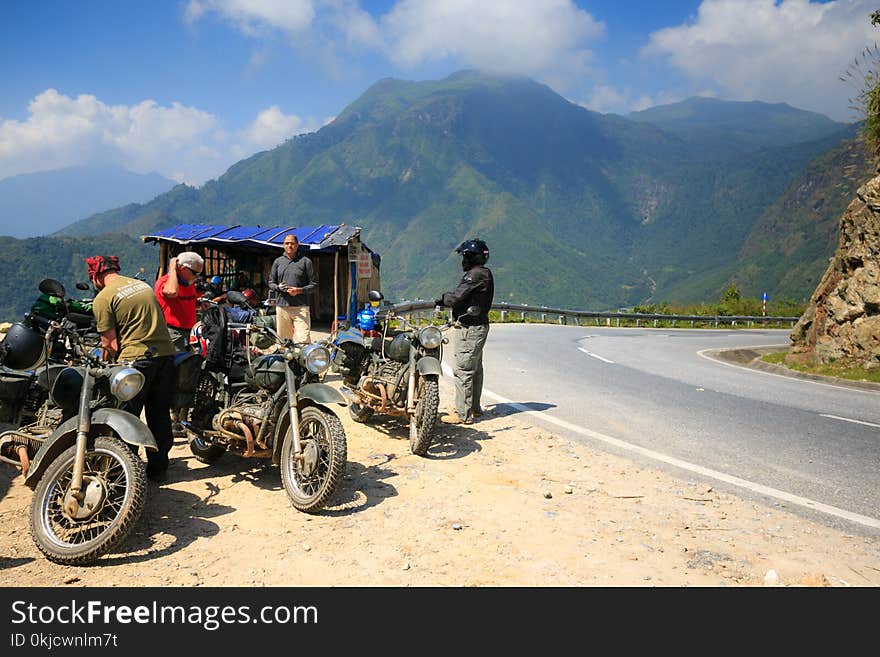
x,y
188,87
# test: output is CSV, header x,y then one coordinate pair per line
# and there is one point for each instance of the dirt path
x,y
498,503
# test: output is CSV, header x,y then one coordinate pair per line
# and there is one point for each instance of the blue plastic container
x,y
366,319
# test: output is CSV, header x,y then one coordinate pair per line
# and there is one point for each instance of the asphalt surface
x,y
685,401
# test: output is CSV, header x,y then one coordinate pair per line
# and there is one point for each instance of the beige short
x,y
294,322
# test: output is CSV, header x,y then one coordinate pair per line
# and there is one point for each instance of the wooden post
x,y
163,257
335,290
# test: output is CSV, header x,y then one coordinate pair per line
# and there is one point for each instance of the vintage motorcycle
x,y
89,485
270,406
24,390
397,373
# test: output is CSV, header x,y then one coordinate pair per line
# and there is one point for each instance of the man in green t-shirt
x,y
133,328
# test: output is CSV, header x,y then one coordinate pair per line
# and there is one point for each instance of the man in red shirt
x,y
178,296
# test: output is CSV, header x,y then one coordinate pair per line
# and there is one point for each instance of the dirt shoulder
x,y
498,503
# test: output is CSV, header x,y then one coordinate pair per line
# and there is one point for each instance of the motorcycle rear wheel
x,y
74,542
311,491
421,431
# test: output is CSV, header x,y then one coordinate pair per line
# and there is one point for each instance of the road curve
x,y
653,395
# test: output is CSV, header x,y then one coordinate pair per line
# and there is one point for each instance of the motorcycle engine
x,y
388,375
242,423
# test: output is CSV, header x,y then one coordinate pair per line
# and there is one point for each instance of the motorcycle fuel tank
x,y
398,348
266,372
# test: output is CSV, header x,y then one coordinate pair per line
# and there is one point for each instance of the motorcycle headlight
x,y
316,358
126,383
430,337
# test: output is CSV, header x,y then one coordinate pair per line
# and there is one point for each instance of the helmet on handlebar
x,y
473,252
23,348
251,295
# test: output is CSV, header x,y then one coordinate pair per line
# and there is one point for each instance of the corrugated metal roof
x,y
315,237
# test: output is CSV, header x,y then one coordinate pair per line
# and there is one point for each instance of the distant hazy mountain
x,y
722,127
41,203
580,209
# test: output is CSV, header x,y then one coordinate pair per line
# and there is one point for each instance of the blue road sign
x,y
765,296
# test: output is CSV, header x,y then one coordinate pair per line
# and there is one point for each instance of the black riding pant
x,y
155,399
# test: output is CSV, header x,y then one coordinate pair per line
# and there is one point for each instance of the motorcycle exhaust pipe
x,y
347,392
191,428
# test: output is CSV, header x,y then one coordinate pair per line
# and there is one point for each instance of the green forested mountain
x,y
580,209
26,262
786,251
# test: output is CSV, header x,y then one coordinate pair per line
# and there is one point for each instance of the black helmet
x,y
23,348
473,252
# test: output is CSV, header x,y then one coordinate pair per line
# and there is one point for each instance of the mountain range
x,y
580,209
33,204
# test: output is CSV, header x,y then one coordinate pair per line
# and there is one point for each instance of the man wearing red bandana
x,y
133,329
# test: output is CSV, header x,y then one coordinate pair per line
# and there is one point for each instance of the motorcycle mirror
x,y
473,311
83,286
236,297
52,287
375,296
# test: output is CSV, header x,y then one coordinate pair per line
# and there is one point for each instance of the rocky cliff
x,y
842,320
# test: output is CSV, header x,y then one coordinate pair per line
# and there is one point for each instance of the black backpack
x,y
214,332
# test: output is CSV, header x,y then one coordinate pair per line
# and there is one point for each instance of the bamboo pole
x,y
335,290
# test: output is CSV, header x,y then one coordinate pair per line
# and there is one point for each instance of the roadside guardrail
x,y
584,317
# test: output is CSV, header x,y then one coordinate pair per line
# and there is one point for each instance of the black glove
x,y
438,302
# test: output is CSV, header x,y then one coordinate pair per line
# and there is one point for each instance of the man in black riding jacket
x,y
477,288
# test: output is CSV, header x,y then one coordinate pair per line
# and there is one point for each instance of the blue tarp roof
x,y
324,237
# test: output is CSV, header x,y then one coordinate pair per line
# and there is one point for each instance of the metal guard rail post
x,y
408,307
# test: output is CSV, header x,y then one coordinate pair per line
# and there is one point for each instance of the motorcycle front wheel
x,y
312,481
421,424
116,482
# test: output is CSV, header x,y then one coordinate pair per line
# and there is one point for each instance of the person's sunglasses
x,y
194,271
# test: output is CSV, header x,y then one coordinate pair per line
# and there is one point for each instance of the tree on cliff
x,y
865,72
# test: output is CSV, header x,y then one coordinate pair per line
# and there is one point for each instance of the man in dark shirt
x,y
293,277
477,288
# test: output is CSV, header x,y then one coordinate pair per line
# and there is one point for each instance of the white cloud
x,y
183,143
607,99
532,37
295,18
254,17
542,38
790,51
272,127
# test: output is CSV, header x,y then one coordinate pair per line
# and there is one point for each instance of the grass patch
x,y
840,370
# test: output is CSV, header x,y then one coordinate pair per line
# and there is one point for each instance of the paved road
x,y
650,394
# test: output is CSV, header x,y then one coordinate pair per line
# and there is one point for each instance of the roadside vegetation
x,y
838,369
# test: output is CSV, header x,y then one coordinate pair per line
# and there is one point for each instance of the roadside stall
x,y
345,268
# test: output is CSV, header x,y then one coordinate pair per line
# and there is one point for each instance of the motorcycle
x,y
24,390
397,373
269,406
89,485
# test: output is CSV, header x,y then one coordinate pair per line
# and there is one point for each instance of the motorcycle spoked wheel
x,y
421,424
311,486
204,408
72,542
